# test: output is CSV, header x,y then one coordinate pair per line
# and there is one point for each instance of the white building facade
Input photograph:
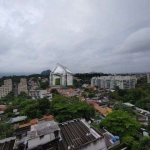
x,y
6,88
110,82
35,94
42,133
148,78
22,86
61,76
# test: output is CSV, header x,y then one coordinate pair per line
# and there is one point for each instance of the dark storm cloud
x,y
87,35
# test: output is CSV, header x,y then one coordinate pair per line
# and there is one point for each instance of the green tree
x,y
5,130
23,95
8,98
148,127
44,105
121,123
54,92
145,143
128,140
65,108
84,95
9,109
91,95
32,111
76,83
121,106
44,85
135,145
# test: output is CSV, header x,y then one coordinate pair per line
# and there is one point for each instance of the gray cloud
x,y
87,35
138,41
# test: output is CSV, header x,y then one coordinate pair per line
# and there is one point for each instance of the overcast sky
x,y
110,36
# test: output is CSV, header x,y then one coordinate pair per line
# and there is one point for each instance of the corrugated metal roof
x,y
76,134
7,144
17,119
43,128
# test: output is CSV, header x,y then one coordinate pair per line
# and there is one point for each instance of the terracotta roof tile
x,y
33,121
50,117
2,107
24,125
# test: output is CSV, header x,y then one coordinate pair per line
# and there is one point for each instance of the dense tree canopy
x,y
5,130
144,143
54,92
121,123
23,95
132,112
140,96
8,98
65,108
36,109
44,85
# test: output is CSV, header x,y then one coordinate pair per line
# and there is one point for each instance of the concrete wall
x,y
69,79
97,145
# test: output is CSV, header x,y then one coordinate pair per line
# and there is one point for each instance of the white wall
x,y
97,145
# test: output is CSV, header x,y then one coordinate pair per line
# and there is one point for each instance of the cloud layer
x,y
88,35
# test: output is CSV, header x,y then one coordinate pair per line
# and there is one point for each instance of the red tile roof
x,y
50,117
70,90
2,107
33,121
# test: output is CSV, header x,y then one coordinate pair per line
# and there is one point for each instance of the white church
x,y
61,76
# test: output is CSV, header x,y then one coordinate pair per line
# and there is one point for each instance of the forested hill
x,y
46,72
86,77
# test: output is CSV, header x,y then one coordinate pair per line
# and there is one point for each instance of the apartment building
x,y
22,86
148,78
6,88
110,82
35,94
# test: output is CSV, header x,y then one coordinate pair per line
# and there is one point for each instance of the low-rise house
x,y
48,95
21,131
91,87
15,111
75,78
143,120
70,92
7,144
44,134
2,109
48,118
17,119
101,100
85,85
35,94
33,84
44,80
78,135
142,111
104,111
129,105
82,98
111,140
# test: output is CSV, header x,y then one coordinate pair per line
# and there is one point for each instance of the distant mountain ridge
x,y
46,72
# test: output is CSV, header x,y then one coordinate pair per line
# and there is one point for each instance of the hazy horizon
x,y
27,74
